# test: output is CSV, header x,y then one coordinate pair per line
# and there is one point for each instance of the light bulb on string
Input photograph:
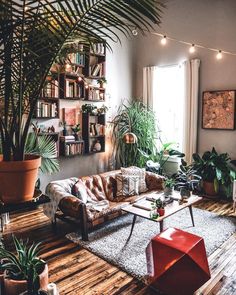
x,y
134,32
219,55
164,40
192,48
80,79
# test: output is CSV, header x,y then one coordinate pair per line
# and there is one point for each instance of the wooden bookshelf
x,y
93,131
71,147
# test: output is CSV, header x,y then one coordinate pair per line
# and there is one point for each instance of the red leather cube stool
x,y
177,262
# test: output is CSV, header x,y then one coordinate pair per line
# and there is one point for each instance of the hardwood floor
x,y
78,272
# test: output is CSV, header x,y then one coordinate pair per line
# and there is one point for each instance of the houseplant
x,y
160,207
32,34
76,129
186,179
134,117
169,184
23,270
215,171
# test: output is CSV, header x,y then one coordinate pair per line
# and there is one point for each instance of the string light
x,y
219,55
164,40
135,32
192,48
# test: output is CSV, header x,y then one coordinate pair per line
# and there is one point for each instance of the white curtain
x,y
191,93
148,86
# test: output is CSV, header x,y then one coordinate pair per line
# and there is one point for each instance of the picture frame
x,y
218,110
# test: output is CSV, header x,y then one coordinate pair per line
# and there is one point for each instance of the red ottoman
x,y
177,262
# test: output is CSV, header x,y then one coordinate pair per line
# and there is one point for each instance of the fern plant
x,y
34,32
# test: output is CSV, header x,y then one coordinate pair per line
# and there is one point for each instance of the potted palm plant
x,y
33,33
23,270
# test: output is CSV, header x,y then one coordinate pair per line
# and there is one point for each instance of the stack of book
x,y
73,89
96,129
95,94
51,89
98,48
97,70
77,58
46,109
74,148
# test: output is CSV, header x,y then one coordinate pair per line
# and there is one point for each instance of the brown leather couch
x,y
64,205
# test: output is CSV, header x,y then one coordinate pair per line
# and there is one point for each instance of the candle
x,y
52,289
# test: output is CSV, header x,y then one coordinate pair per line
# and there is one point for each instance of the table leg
x,y
191,214
161,226
132,227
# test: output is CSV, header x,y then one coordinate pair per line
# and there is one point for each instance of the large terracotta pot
x,y
13,287
209,188
18,179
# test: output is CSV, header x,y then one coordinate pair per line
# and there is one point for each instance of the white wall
x,y
211,23
119,87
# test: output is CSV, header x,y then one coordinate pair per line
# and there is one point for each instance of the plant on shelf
x,y
102,82
186,179
169,184
76,129
102,110
33,33
215,170
23,270
136,119
89,108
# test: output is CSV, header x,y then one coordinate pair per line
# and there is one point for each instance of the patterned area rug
x,y
110,240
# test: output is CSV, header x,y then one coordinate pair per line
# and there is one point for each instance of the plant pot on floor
x,y
209,188
13,287
18,179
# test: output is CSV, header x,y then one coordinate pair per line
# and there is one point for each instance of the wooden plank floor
x,y
78,272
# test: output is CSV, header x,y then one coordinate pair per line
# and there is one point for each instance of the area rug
x,y
110,240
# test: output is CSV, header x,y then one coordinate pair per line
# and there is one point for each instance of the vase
x,y
18,179
97,146
209,188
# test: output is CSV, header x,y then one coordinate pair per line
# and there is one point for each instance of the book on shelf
x,y
73,88
74,148
77,58
97,70
95,94
46,109
98,48
67,138
96,129
50,89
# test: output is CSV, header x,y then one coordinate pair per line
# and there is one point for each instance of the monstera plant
x,y
32,34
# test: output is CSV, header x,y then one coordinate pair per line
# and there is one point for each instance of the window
x,y
168,102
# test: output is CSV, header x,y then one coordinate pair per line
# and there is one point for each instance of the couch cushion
x,y
136,171
79,190
154,181
94,187
110,184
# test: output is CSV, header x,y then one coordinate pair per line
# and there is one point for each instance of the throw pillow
x,y
79,190
136,171
127,185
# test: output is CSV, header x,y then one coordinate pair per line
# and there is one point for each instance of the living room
x,y
191,53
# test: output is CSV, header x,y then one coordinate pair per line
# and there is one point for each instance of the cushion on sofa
x,y
94,187
154,181
136,171
127,185
110,184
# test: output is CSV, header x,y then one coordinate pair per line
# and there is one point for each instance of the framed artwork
x,y
69,116
218,110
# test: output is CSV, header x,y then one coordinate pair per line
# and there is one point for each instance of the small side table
x,y
38,199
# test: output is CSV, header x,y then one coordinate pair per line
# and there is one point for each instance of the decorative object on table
x,y
215,171
69,116
131,139
97,146
176,260
23,271
160,206
76,129
52,289
187,180
218,110
169,184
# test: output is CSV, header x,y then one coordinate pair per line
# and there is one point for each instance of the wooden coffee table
x,y
143,208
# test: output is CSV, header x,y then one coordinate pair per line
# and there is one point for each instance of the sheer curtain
x,y
172,92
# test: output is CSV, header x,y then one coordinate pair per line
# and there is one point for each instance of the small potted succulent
x,y
76,129
169,184
102,82
89,108
23,270
102,110
160,207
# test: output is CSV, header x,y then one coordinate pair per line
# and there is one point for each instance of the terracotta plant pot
x,y
209,188
161,211
1,282
13,287
18,179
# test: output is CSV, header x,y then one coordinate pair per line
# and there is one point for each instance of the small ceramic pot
x,y
168,191
161,211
